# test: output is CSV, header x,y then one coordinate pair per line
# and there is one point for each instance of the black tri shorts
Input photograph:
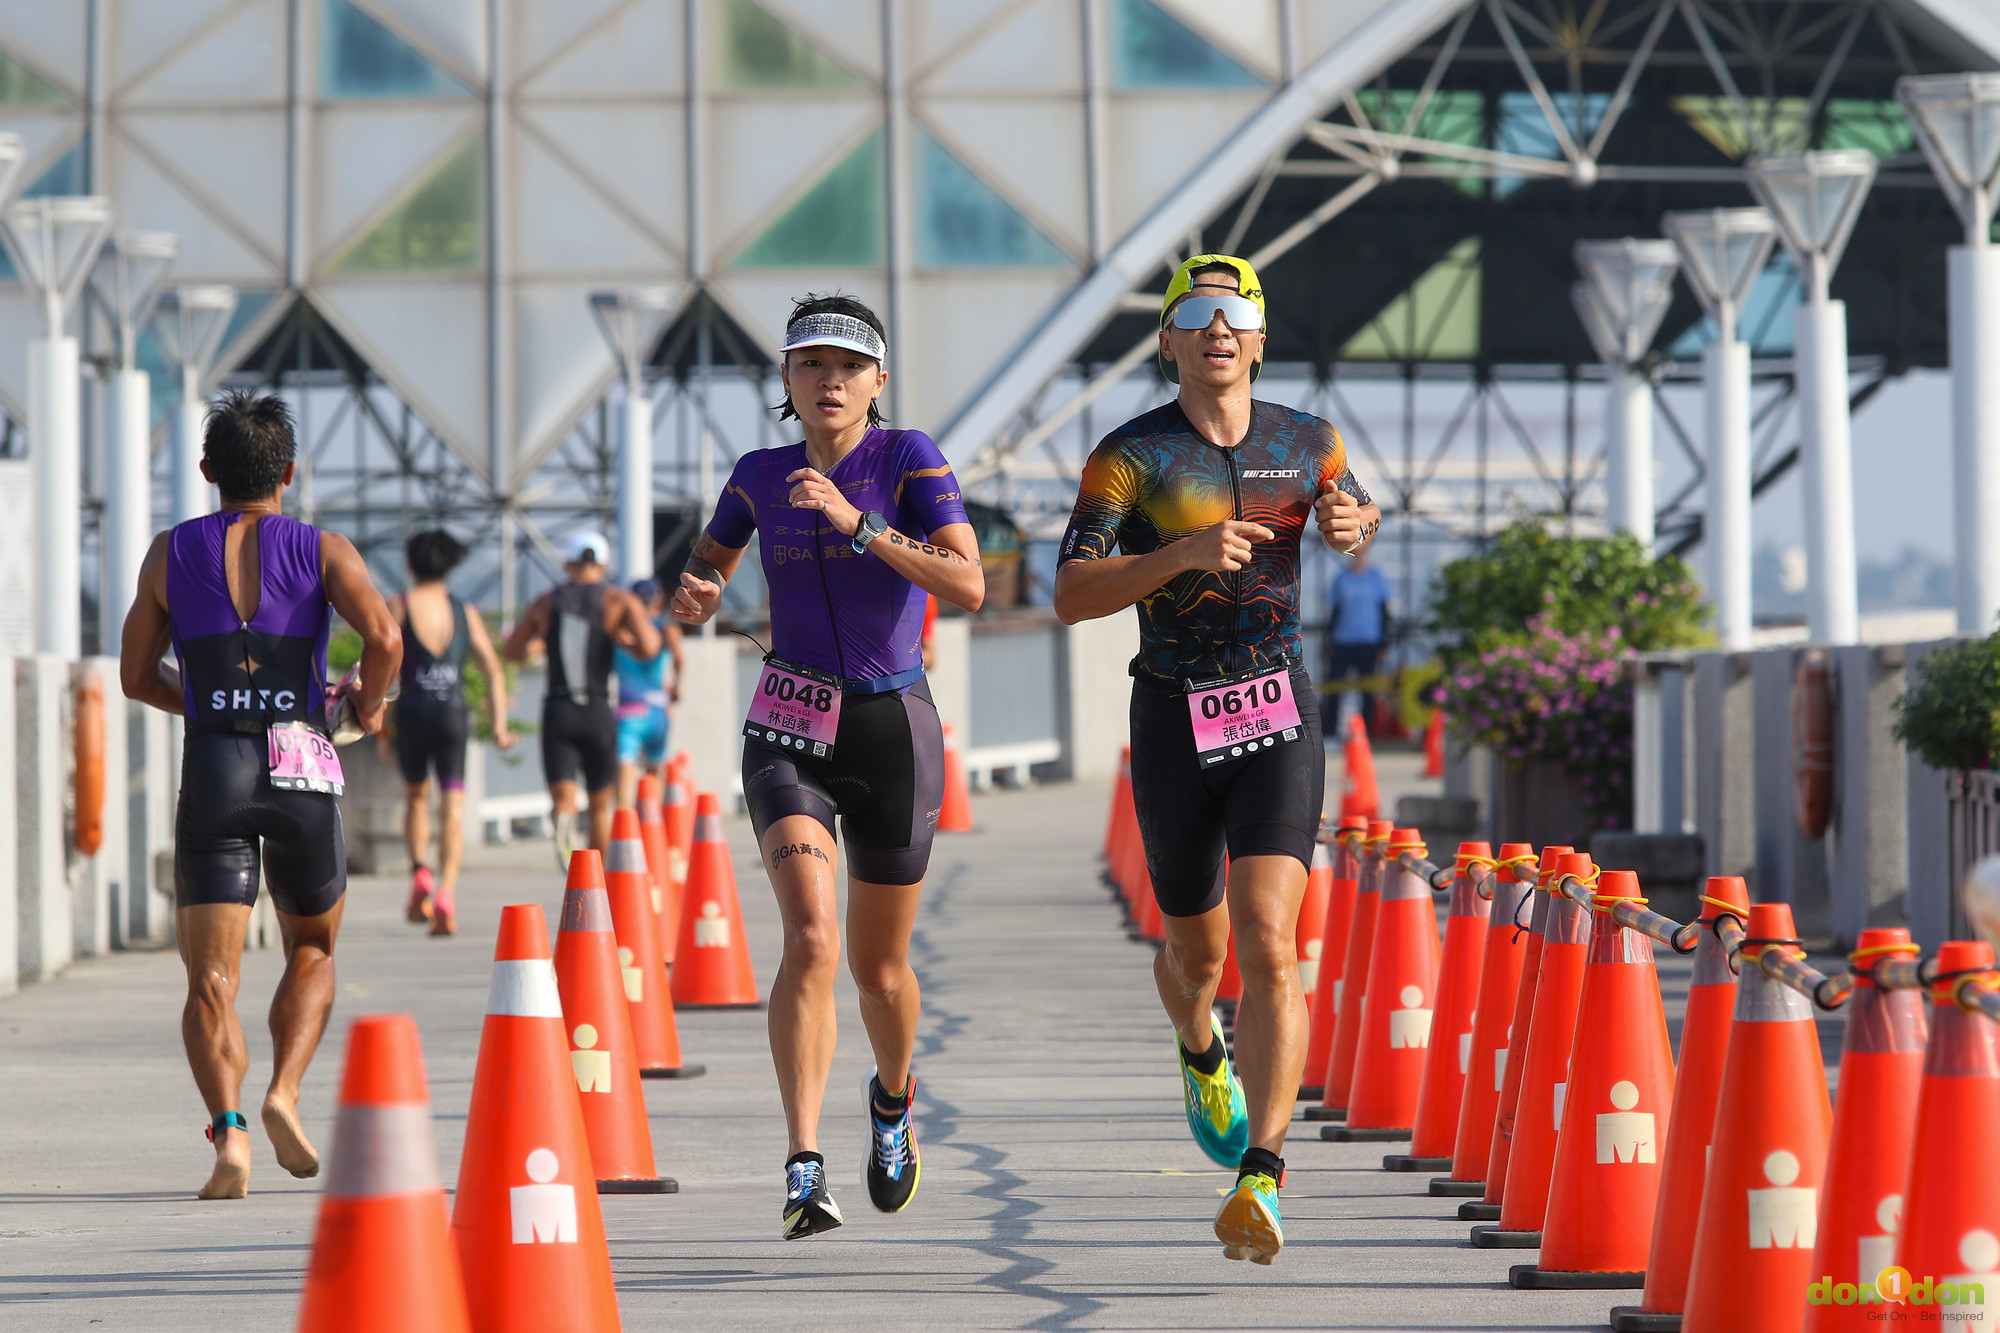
x,y
580,738
232,822
1264,804
431,738
885,779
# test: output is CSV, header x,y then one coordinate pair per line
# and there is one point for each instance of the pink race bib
x,y
303,760
1243,715
794,710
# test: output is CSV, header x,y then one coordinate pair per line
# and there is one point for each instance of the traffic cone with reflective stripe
x,y
382,1259
526,1219
597,1018
1951,1218
1691,1125
1353,991
1511,1063
1332,955
1499,977
1399,1006
664,894
1753,1248
1598,1228
712,962
1874,1122
1538,1107
955,815
1121,802
656,1039
1360,764
1310,934
678,811
1449,1057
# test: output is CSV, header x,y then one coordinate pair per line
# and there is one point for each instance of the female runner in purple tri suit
x,y
855,524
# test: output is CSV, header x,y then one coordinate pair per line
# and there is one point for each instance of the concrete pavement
x,y
1060,1186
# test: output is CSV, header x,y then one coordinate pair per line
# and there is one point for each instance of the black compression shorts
x,y
431,738
231,818
1265,804
885,779
580,737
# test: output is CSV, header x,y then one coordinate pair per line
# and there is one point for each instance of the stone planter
x,y
1540,803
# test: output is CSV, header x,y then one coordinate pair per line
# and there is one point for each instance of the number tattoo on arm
x,y
944,553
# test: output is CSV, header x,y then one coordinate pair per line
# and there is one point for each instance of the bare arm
x,y
626,621
528,631
708,569
947,566
496,675
353,596
142,645
1089,589
1346,524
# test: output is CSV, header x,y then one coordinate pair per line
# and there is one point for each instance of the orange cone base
x,y
1631,1319
1326,1112
1527,1277
1404,1162
1343,1134
677,1071
1479,1211
1444,1187
654,1185
1306,1094
1496,1238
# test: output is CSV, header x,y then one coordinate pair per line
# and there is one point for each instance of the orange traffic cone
x,y
1352,994
1753,1248
1691,1124
1310,933
1510,1064
1360,764
1951,1218
382,1260
1398,1008
1434,745
712,962
1332,954
1599,1223
1149,921
1538,1107
955,815
529,1231
678,810
1129,869
1449,1056
665,894
656,1038
597,1017
1499,977
1874,1122
1121,798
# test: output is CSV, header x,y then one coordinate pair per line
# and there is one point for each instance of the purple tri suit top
x,y
847,615
237,676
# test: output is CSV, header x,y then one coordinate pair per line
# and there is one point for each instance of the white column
x,y
128,498
635,486
1628,473
1832,611
54,444
1974,277
1726,375
193,496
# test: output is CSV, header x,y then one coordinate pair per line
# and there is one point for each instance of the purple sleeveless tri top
x,y
243,677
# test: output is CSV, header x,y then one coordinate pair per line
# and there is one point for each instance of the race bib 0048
x,y
794,709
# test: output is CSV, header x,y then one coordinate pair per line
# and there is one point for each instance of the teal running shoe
x,y
1248,1224
1216,1114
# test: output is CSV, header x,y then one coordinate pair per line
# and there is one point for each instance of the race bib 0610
x,y
1242,716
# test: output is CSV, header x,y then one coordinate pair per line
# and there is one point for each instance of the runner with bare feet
x,y
243,596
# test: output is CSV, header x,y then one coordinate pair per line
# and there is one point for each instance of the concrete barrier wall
x,y
10,857
1094,694
41,713
709,721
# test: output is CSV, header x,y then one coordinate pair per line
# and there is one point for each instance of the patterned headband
x,y
829,330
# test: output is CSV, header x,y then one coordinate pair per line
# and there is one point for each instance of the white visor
x,y
828,330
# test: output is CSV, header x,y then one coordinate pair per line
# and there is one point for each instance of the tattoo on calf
x,y
794,849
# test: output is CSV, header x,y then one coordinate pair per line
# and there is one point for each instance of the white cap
x,y
831,330
593,547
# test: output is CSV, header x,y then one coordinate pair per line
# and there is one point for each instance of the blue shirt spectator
x,y
1358,603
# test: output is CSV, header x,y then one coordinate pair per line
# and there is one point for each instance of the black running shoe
x,y
809,1209
893,1164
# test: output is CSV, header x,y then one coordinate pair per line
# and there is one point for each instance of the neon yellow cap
x,y
1248,284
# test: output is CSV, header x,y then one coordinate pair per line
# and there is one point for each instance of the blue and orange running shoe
x,y
1248,1224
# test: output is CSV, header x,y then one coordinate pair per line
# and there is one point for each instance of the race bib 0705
x,y
301,759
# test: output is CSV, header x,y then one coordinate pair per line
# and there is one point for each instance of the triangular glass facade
x,y
962,222
757,52
1153,49
439,226
1437,319
838,222
21,86
359,58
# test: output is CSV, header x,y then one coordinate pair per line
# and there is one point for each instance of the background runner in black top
x,y
576,623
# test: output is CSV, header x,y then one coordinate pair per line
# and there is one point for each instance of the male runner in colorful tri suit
x,y
430,719
243,596
855,524
578,622
1206,498
645,727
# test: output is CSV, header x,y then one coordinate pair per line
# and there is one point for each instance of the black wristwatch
x,y
871,526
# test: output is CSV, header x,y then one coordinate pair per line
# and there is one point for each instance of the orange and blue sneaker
x,y
1216,1113
1248,1224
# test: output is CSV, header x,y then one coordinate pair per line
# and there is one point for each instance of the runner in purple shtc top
x,y
244,596
855,525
